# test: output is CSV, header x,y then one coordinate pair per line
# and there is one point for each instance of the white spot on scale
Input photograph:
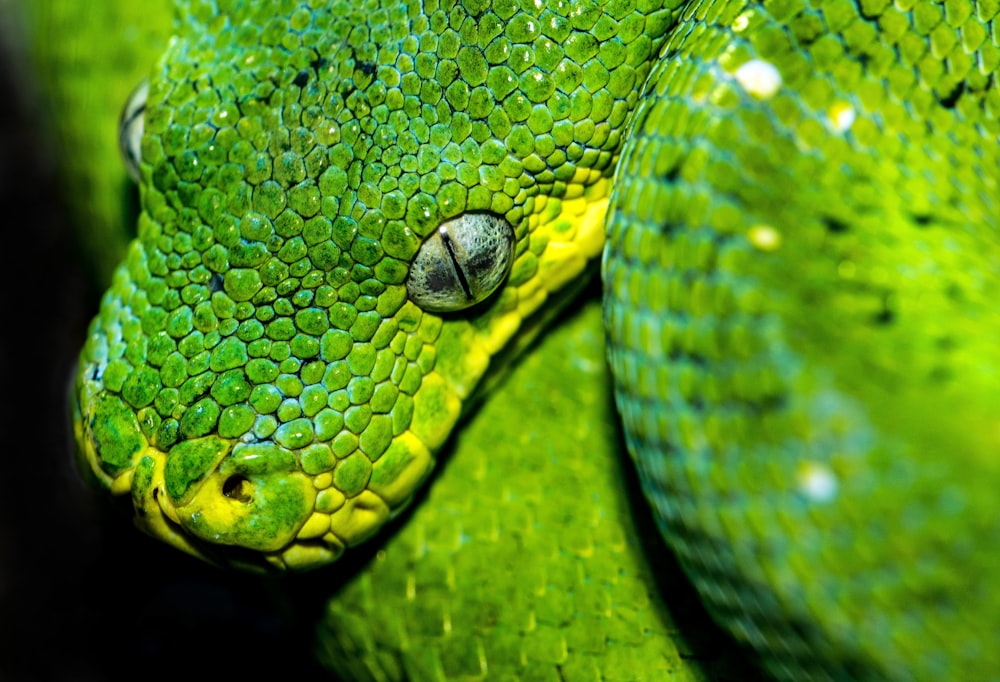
x,y
817,482
759,78
764,237
842,116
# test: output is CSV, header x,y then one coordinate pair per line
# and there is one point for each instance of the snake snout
x,y
209,496
254,496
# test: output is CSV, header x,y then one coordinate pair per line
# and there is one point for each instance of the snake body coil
x,y
800,206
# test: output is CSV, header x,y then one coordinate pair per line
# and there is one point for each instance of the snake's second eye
x,y
461,263
130,128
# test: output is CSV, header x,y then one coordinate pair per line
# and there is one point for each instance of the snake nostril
x,y
238,488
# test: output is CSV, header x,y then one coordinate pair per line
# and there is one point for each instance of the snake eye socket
x,y
461,263
130,127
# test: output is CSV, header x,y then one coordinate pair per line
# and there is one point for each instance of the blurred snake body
x,y
354,214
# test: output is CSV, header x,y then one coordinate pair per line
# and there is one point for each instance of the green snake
x,y
356,216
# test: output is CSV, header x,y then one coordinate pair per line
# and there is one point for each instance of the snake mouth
x,y
229,518
224,501
252,505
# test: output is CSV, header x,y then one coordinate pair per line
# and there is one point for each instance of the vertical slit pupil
x,y
450,248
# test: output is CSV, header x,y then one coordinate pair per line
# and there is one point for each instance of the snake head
x,y
339,244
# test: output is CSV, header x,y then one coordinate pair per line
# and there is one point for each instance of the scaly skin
x,y
798,287
574,598
797,272
276,348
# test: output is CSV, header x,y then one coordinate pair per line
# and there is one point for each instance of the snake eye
x,y
130,127
461,263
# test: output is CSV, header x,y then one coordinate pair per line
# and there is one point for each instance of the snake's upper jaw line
x,y
211,521
157,518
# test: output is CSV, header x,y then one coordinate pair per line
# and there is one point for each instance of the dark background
x,y
83,595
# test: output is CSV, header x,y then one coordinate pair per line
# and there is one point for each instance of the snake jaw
x,y
253,505
155,514
222,521
227,503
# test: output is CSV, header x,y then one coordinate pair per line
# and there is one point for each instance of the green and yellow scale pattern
x,y
259,334
798,282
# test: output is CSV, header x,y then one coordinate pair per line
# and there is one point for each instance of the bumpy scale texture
x,y
488,580
800,276
256,377
797,280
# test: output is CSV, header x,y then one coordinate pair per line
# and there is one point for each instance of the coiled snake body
x,y
354,213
